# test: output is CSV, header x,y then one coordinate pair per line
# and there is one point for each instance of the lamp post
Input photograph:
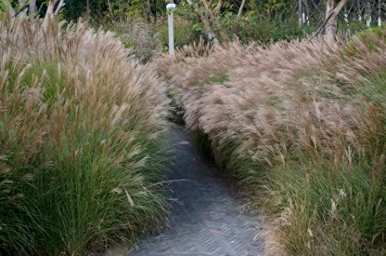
x,y
170,9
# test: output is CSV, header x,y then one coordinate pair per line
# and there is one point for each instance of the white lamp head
x,y
171,7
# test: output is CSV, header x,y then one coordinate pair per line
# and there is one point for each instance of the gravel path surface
x,y
206,219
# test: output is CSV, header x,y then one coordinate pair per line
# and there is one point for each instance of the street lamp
x,y
170,9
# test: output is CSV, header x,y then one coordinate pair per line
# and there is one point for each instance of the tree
x,y
209,13
33,6
333,8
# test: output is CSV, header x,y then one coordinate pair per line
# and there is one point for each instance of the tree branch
x,y
241,8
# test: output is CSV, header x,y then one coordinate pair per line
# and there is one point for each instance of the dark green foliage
x,y
252,28
100,10
186,31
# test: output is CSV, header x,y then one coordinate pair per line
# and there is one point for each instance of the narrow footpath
x,y
206,218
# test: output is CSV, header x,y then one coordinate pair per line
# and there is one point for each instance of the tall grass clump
x,y
81,135
301,125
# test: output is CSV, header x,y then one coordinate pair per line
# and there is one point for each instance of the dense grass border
x,y
325,188
83,134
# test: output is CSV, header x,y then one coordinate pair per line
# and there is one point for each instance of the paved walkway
x,y
206,219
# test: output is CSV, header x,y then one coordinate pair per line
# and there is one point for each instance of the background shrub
x,y
253,28
140,37
186,32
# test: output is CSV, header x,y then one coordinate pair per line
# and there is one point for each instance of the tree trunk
x,y
306,12
88,9
368,14
333,8
379,13
33,7
148,10
359,9
300,12
331,25
155,11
